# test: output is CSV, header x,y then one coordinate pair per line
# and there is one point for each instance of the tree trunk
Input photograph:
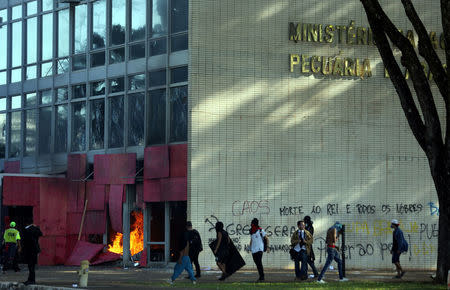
x,y
442,184
443,260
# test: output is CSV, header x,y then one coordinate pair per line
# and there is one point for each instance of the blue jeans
x,y
333,254
185,265
303,271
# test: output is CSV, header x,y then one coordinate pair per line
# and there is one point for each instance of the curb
x,y
21,286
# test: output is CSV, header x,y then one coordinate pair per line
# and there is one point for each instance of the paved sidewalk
x,y
101,277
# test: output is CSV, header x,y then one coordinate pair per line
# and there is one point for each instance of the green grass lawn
x,y
311,285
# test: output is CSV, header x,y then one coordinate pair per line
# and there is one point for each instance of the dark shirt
x,y
30,240
310,229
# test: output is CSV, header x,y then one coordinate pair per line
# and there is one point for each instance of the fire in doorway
x,y
136,236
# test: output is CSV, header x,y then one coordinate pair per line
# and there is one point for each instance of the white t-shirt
x,y
257,241
302,235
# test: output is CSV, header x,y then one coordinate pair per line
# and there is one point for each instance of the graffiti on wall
x,y
371,227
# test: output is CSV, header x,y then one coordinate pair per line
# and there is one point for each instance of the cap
x,y
188,224
338,225
395,222
12,224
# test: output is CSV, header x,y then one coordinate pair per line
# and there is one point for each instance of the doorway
x,y
164,224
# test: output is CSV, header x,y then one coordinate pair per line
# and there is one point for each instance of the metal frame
x,y
147,231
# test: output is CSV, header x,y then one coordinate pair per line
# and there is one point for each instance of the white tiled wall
x,y
262,138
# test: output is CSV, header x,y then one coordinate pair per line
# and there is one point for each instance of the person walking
x,y
399,246
31,249
221,250
301,241
311,257
332,251
195,247
11,243
184,262
258,244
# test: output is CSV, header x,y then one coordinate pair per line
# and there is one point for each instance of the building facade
x,y
291,114
94,84
207,111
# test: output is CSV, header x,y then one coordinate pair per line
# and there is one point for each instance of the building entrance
x,y
164,225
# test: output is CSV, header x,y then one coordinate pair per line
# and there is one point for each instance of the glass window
x,y
79,91
31,40
16,75
136,119
14,140
47,36
2,135
136,82
179,42
2,104
30,132
80,31
98,59
31,72
63,5
116,122
17,44
138,9
61,129
47,5
45,125
97,124
158,46
117,55
3,15
179,74
30,100
16,102
159,18
79,62
2,77
137,51
62,65
63,32
31,7
157,119
118,22
179,15
98,88
16,12
157,78
3,46
79,126
62,94
45,97
178,114
99,24
46,69
116,85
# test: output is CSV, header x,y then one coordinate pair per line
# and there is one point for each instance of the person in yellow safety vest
x,y
11,243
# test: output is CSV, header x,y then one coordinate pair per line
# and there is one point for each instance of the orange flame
x,y
136,236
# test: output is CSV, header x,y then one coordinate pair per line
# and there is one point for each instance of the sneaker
x,y
170,281
343,280
194,282
321,281
403,273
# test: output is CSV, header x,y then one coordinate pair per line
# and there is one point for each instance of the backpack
x,y
264,239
